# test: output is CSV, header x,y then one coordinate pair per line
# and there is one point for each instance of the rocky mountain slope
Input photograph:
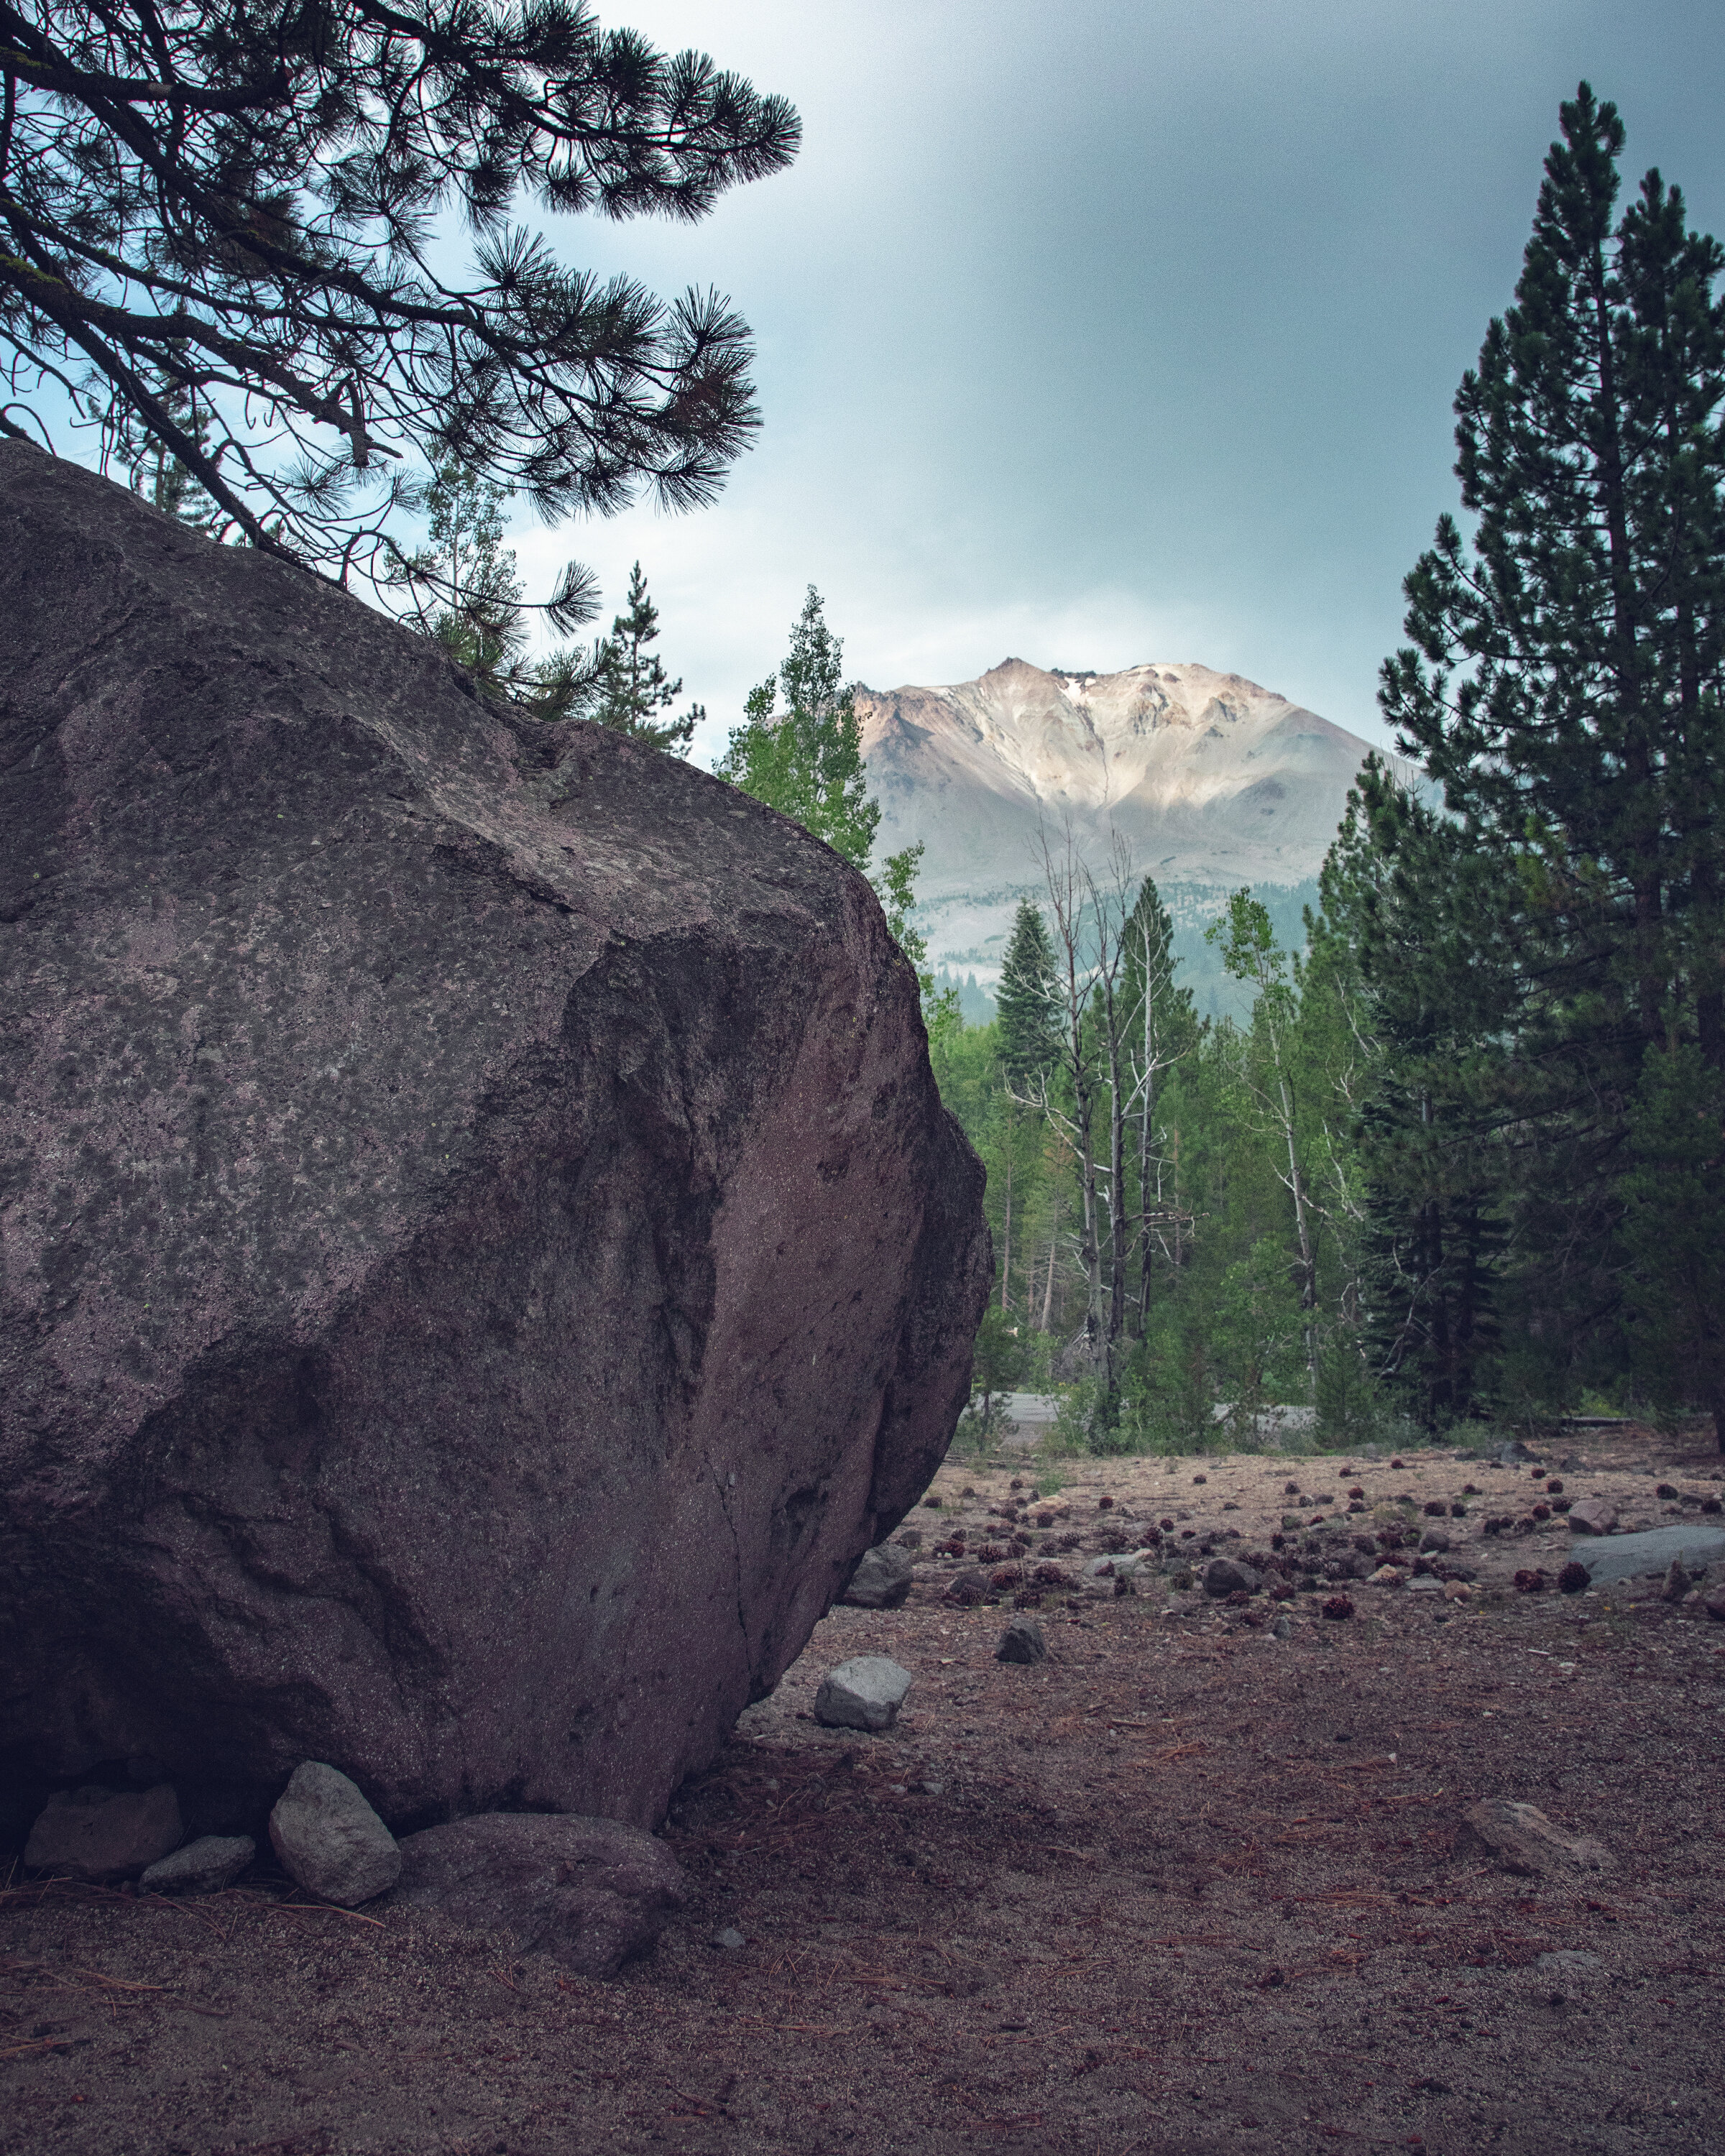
x,y
1213,781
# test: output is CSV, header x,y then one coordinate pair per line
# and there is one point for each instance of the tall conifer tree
x,y
1026,1001
1565,686
807,761
635,691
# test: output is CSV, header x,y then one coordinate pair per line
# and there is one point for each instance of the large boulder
x,y
484,1252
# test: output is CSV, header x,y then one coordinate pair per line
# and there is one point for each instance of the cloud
x,y
1117,332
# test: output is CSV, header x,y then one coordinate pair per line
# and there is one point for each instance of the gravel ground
x,y
1184,1887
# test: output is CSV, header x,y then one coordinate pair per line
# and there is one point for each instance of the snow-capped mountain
x,y
1212,782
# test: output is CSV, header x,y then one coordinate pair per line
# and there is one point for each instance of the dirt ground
x,y
1185,1886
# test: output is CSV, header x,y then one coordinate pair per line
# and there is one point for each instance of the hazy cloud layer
x,y
1117,332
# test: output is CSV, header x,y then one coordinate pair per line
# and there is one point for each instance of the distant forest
x,y
1192,906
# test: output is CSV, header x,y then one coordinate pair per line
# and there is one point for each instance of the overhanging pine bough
x,y
233,210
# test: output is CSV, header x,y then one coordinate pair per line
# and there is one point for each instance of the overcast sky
x,y
1116,333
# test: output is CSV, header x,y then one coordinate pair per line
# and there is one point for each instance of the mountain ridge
x,y
1210,778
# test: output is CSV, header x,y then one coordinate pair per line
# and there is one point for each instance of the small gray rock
x,y
866,1692
1522,1839
881,1580
1281,1629
1577,1959
330,1841
1591,1516
730,1939
1227,1575
1106,1577
1435,1539
591,1893
203,1866
98,1834
1022,1641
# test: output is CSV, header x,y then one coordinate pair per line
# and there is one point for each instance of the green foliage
x,y
1463,1158
1026,1001
466,594
807,761
240,210
1000,1361
167,484
1674,1230
1562,684
633,692
1414,936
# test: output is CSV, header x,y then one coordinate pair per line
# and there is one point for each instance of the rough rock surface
x,y
94,1833
1695,1545
485,1253
866,1692
203,1866
329,1839
591,1893
881,1580
1523,1840
1227,1575
1593,1515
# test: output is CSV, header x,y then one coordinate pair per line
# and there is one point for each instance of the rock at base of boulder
x,y
1226,1575
330,1841
866,1692
203,1866
1523,1840
1022,1641
1593,1515
590,1893
98,1834
881,1580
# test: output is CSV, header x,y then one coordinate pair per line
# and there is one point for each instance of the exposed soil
x,y
1184,1886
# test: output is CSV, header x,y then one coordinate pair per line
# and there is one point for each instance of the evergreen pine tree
x,y
1027,1001
1563,685
481,620
1415,929
1158,1026
222,211
159,476
633,689
807,760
